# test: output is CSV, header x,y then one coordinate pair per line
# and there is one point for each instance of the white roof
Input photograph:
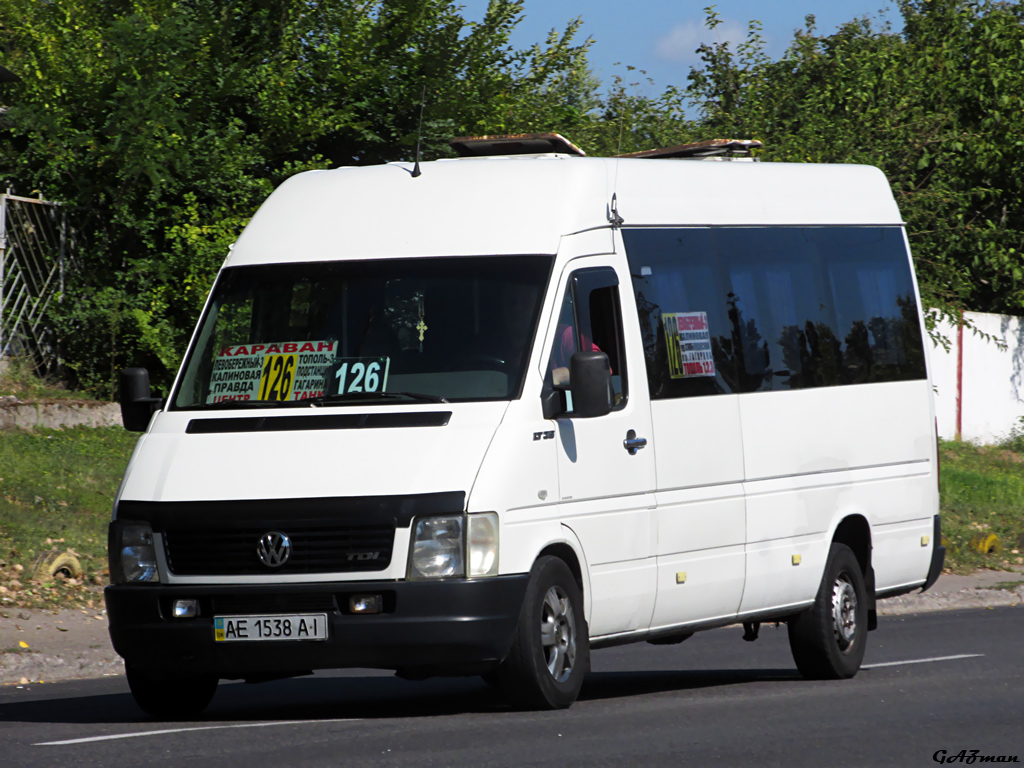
x,y
525,204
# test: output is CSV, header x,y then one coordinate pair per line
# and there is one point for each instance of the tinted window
x,y
774,308
778,306
873,293
681,301
382,330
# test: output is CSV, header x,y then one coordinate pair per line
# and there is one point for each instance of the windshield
x,y
382,331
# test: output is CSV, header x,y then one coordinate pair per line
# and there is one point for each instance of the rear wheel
x,y
828,641
170,697
551,650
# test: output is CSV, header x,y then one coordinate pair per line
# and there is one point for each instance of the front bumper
x,y
431,626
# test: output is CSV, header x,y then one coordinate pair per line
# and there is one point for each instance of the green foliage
x,y
21,379
1015,440
164,124
940,108
626,120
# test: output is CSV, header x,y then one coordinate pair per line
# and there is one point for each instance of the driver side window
x,y
589,320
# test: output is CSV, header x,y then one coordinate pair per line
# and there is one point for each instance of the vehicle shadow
x,y
370,698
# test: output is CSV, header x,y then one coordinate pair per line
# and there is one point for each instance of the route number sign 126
x,y
357,374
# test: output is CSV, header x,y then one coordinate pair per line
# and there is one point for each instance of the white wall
x,y
991,385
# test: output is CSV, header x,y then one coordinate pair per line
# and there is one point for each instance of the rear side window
x,y
756,309
873,293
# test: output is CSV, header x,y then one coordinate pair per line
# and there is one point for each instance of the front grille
x,y
320,546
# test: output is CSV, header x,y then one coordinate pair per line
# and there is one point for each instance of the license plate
x,y
306,626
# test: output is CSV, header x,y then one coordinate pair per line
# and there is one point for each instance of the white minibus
x,y
483,415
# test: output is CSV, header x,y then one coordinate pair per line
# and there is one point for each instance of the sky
x,y
660,36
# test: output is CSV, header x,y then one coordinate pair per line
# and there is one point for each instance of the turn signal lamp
x,y
482,544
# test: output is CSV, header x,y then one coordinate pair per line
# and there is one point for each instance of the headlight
x,y
483,544
437,548
136,553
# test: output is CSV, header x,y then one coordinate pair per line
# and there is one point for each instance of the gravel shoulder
x,y
43,646
46,646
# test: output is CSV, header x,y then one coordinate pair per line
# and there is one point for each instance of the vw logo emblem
x,y
274,549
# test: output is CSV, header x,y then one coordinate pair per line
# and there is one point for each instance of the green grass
x,y
982,492
56,492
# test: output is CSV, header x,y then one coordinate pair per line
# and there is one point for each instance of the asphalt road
x,y
947,681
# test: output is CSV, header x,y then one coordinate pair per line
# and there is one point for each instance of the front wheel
x,y
170,697
828,641
551,650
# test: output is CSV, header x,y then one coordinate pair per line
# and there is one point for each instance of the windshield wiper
x,y
358,396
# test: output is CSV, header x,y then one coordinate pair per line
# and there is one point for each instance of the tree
x,y
625,120
939,108
164,123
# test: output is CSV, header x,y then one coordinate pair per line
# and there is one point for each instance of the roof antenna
x,y
622,119
419,134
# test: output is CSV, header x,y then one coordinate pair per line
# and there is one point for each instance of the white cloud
x,y
680,44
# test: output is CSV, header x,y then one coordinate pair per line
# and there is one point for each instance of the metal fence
x,y
35,247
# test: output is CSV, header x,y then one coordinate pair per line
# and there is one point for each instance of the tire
x,y
828,641
170,697
47,565
550,652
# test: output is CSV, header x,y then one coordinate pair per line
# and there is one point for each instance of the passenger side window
x,y
590,319
688,337
754,309
778,304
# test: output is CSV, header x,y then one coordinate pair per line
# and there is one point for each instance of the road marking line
x,y
922,661
164,731
161,732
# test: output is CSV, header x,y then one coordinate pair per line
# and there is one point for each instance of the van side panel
x,y
616,544
835,428
700,516
785,365
902,551
802,450
701,564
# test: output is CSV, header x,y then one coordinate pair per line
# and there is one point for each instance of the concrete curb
x,y
952,592
58,414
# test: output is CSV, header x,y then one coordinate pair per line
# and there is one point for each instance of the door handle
x,y
632,443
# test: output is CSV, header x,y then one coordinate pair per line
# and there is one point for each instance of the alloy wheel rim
x,y
558,634
844,612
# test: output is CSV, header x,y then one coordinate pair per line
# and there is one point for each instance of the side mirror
x,y
137,402
590,378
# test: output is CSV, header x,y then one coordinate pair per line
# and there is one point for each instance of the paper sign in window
x,y
292,370
688,340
